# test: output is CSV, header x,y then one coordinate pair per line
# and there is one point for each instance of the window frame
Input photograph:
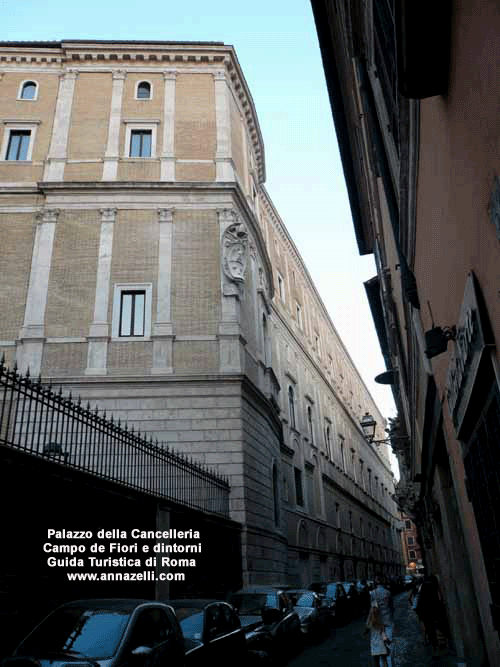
x,y
14,126
119,290
132,126
21,88
137,84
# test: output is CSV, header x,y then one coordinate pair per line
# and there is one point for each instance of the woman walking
x,y
379,641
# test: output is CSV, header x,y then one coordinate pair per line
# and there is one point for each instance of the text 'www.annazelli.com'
x,y
146,575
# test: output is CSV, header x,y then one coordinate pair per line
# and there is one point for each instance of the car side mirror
x,y
142,651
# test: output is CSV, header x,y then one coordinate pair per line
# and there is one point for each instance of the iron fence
x,y
49,425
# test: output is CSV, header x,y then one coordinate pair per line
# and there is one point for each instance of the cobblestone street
x,y
347,647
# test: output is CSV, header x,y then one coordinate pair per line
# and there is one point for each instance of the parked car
x,y
271,624
312,610
336,599
212,632
104,633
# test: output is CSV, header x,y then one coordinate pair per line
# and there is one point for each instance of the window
x,y
140,143
291,407
327,442
299,496
140,139
143,90
298,315
342,453
132,311
281,287
18,146
310,424
18,140
28,91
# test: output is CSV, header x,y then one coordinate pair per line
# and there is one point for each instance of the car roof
x,y
110,603
192,602
261,589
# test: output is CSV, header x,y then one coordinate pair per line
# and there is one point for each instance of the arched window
x,y
291,407
28,90
143,90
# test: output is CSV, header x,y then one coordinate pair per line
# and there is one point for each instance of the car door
x,y
227,638
153,640
214,634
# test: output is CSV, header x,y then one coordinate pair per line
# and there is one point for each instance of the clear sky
x,y
277,47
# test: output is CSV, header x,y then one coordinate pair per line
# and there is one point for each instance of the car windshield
x,y
191,621
305,600
90,633
253,603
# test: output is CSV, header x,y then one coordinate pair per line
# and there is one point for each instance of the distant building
x,y
145,268
414,91
412,553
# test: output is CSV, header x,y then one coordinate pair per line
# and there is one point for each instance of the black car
x,y
335,598
212,632
272,627
104,633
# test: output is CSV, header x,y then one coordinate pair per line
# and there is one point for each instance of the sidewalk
x,y
409,649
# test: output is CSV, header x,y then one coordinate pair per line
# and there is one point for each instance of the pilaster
x,y
162,333
223,161
99,329
231,342
56,158
111,155
168,156
32,334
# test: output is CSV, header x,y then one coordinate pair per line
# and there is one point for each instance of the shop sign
x,y
470,343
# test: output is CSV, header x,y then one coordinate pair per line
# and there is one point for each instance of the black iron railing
x,y
49,425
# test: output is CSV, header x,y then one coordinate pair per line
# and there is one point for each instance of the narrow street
x,y
347,647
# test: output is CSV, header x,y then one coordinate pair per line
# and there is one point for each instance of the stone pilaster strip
x,y
99,329
168,153
113,147
56,159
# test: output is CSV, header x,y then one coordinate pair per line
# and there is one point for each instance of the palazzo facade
x,y
146,269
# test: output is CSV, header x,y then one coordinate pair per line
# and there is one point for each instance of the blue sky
x,y
277,47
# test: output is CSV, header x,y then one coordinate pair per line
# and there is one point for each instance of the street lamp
x,y
368,424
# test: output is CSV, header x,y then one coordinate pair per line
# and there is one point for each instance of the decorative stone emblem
x,y
407,497
235,252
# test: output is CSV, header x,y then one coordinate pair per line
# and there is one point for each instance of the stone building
x,y
146,269
414,89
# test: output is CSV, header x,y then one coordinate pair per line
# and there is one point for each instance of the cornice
x,y
87,54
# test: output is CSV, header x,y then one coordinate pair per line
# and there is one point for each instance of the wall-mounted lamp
x,y
368,424
436,340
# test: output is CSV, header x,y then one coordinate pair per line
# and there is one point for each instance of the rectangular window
x,y
18,146
132,313
140,143
299,496
281,287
